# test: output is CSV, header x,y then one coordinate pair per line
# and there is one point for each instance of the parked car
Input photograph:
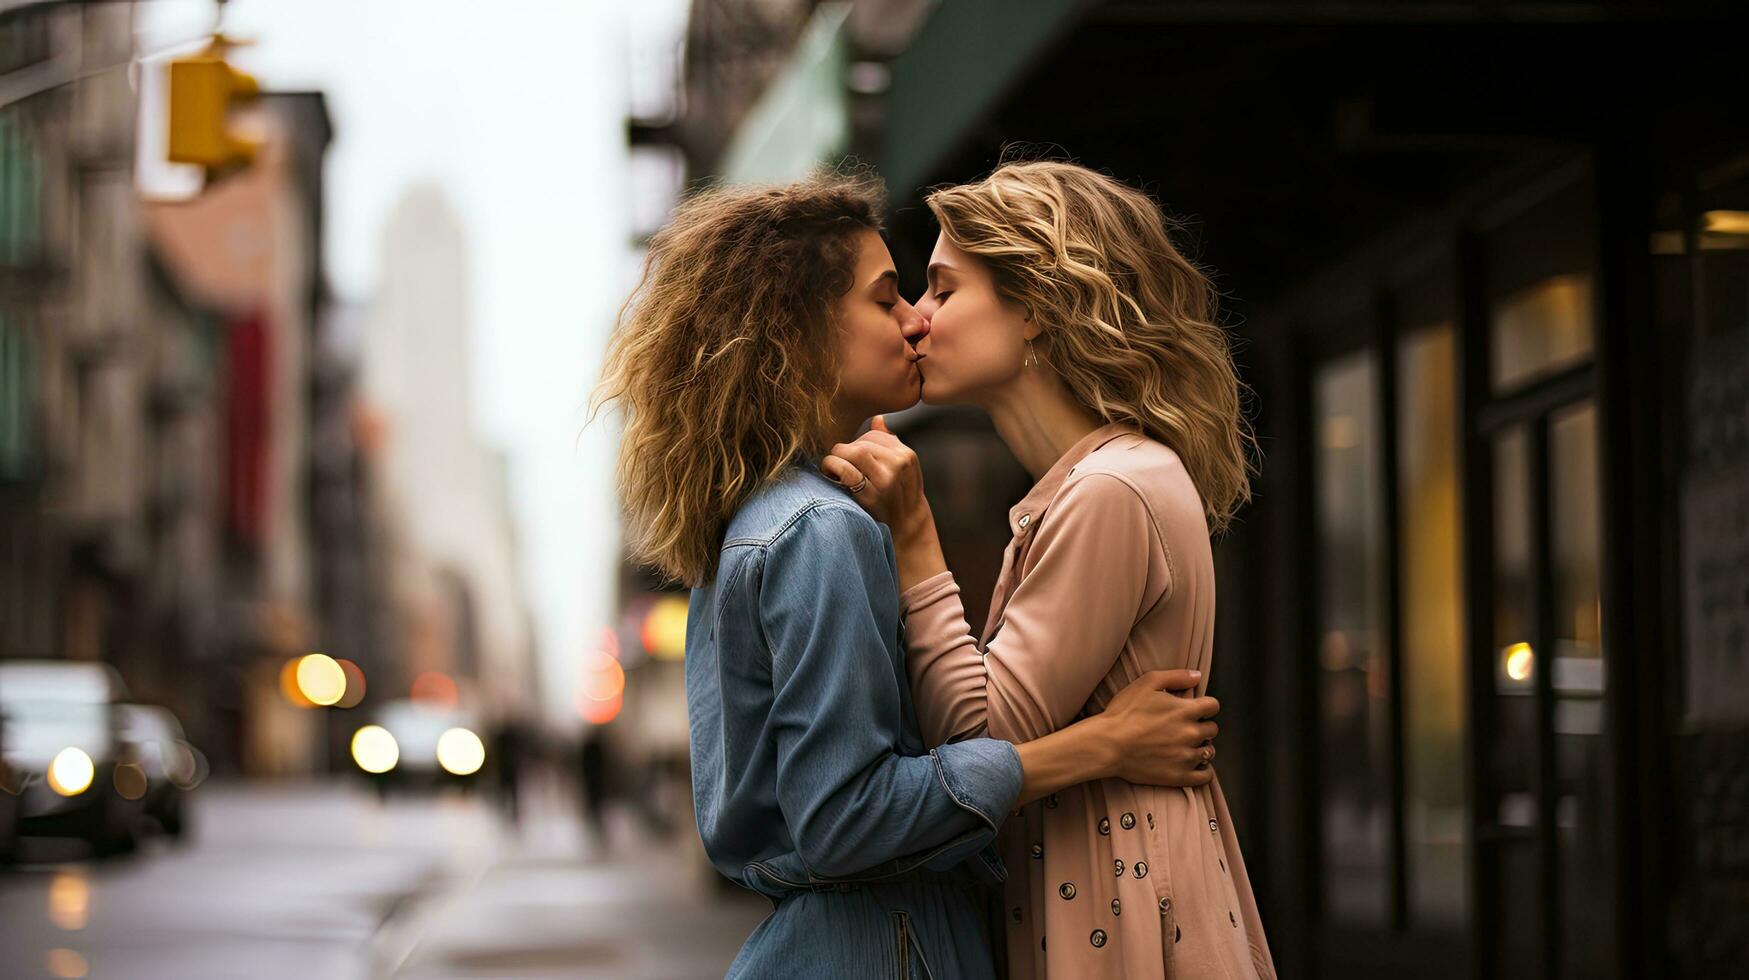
x,y
169,763
64,747
9,802
416,744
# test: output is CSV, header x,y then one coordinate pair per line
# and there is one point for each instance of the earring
x,y
1031,358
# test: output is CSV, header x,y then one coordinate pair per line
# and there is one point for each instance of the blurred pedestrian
x,y
509,760
592,782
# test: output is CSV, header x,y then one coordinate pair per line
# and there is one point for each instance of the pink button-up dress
x,y
1109,575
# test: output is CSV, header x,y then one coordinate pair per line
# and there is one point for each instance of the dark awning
x,y
963,61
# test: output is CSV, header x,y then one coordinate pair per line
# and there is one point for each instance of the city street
x,y
375,439
310,879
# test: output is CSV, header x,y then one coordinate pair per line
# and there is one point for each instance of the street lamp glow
x,y
321,679
374,749
71,771
460,752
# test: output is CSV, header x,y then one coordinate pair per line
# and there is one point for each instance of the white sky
x,y
516,109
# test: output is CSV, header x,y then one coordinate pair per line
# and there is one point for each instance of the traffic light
x,y
203,90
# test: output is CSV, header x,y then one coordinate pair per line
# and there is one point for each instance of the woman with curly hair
x,y
1059,304
767,327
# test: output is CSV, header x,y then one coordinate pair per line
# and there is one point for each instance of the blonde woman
x,y
1058,303
768,326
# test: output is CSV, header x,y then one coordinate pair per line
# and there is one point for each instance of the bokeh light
x,y
288,684
69,900
354,685
1519,661
71,772
187,766
603,678
130,781
434,687
66,963
321,679
664,632
374,749
460,752
599,712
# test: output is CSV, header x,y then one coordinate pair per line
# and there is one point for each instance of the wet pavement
x,y
323,880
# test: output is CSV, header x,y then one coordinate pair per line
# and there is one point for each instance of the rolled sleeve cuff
x,y
931,589
982,775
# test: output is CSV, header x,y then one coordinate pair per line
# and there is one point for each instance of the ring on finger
x,y
860,486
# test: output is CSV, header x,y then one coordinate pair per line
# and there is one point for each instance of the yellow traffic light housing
x,y
203,91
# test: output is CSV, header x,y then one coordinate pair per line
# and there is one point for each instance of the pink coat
x,y
1109,575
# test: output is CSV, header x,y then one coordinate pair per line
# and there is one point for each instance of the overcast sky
x,y
516,109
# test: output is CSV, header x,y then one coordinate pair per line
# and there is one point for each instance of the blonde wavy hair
x,y
723,361
1128,322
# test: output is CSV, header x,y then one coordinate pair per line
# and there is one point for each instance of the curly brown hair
x,y
723,362
1129,323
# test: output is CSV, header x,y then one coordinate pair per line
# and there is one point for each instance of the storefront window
x,y
1513,749
1354,683
1541,329
1430,532
1583,808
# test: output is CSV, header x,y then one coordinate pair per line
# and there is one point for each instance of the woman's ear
x,y
1031,330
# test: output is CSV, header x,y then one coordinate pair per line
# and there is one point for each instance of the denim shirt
x,y
811,783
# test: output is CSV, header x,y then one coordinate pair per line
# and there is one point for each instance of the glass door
x,y
1388,599
1544,819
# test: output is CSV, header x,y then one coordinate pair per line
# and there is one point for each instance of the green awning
x,y
967,55
803,117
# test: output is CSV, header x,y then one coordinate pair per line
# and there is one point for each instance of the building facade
x,y
66,224
175,461
439,491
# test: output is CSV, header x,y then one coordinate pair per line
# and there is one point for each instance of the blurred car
x,y
171,765
9,802
64,748
420,745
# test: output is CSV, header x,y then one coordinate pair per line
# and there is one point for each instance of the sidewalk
x,y
546,906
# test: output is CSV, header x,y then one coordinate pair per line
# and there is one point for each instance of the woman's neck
x,y
1038,419
847,422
